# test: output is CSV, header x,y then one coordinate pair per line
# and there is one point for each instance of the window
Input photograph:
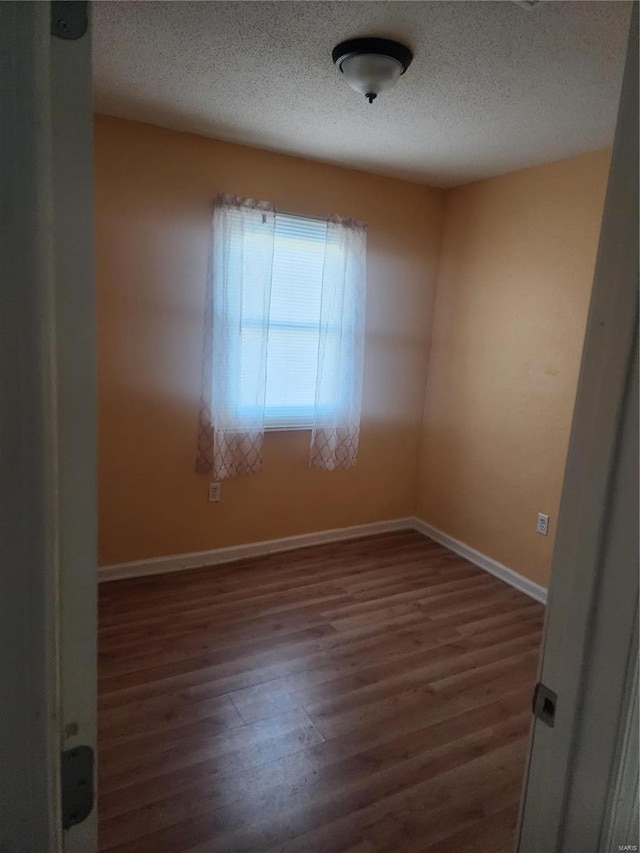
x,y
293,322
284,335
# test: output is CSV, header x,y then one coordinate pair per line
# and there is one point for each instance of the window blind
x,y
294,321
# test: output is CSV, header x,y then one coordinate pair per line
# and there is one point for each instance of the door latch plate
x,y
544,704
77,785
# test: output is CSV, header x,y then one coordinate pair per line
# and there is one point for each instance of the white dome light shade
x,y
371,65
371,73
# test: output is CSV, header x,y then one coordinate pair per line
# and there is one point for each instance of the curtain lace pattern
x,y
231,420
336,433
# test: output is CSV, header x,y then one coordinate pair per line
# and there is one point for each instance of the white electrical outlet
x,y
542,526
214,492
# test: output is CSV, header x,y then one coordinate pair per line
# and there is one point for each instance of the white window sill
x,y
275,427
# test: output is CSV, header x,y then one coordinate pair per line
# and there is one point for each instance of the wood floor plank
x,y
216,713
189,631
339,836
372,746
219,638
151,671
278,813
446,825
355,697
428,664
243,747
338,714
492,832
344,670
219,678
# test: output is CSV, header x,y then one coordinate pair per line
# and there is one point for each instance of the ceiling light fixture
x,y
371,65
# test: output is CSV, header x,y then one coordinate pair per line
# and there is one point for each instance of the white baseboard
x,y
199,559
530,588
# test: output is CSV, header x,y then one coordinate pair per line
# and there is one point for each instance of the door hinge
x,y
68,18
544,704
76,775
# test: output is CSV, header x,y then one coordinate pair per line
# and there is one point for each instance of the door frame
x,y
75,401
590,631
29,735
47,445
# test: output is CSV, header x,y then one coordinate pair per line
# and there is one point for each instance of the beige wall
x,y
514,283
154,191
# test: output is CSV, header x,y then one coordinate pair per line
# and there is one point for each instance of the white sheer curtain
x,y
336,433
236,338
236,335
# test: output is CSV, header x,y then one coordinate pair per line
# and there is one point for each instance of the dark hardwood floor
x,y
359,697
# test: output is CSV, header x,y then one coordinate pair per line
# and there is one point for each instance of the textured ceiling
x,y
493,87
